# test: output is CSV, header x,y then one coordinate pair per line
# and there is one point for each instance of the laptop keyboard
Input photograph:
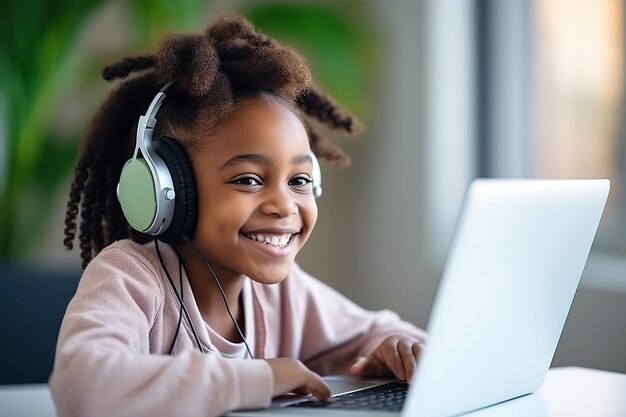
x,y
387,397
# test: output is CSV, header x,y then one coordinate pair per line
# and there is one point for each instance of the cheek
x,y
221,216
213,213
309,214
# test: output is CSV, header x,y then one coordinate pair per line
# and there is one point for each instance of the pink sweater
x,y
112,359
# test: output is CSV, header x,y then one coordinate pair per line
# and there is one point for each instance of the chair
x,y
32,305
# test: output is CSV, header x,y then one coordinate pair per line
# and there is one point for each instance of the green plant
x,y
37,64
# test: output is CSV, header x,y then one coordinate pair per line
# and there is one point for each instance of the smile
x,y
277,241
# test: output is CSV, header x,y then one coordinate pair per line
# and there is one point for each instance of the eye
x,y
300,182
247,182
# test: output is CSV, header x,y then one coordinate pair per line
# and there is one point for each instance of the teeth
x,y
278,241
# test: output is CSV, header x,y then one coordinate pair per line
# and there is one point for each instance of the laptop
x,y
511,273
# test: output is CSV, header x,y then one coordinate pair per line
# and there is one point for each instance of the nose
x,y
280,203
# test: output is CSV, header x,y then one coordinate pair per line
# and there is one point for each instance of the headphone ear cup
x,y
135,193
317,177
183,223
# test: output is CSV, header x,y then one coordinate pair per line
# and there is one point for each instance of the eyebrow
x,y
260,159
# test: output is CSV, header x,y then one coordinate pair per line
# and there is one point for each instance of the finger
x,y
367,366
318,387
358,367
302,391
417,351
392,359
405,350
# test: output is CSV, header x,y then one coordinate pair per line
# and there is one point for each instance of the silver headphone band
x,y
317,176
163,184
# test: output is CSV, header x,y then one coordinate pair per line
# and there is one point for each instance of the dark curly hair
x,y
214,71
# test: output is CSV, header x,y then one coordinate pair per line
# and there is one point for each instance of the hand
x,y
396,355
290,375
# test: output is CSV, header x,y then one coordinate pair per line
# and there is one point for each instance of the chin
x,y
270,275
268,281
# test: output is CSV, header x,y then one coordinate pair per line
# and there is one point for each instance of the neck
x,y
208,295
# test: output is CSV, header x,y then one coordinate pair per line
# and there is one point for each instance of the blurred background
x,y
448,90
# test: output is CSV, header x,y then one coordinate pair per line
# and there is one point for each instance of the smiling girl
x,y
207,311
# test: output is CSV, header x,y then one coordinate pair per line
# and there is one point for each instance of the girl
x,y
199,308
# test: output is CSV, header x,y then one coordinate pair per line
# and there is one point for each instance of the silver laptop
x,y
518,252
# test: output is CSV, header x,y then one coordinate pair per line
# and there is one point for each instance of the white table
x,y
26,400
570,392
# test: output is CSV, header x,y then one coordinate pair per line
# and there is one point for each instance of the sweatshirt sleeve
x,y
336,330
104,367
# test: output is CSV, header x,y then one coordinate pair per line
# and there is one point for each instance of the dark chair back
x,y
32,305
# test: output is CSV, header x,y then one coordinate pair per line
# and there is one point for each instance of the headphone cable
x,y
180,299
208,266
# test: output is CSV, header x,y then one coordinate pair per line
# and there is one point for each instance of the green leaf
x,y
37,64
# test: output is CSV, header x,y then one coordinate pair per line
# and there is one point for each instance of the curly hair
x,y
214,71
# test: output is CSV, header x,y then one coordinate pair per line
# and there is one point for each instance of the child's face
x,y
256,206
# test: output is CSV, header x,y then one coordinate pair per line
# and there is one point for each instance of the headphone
x,y
157,189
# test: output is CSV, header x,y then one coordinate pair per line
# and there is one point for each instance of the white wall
x,y
370,241
385,223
